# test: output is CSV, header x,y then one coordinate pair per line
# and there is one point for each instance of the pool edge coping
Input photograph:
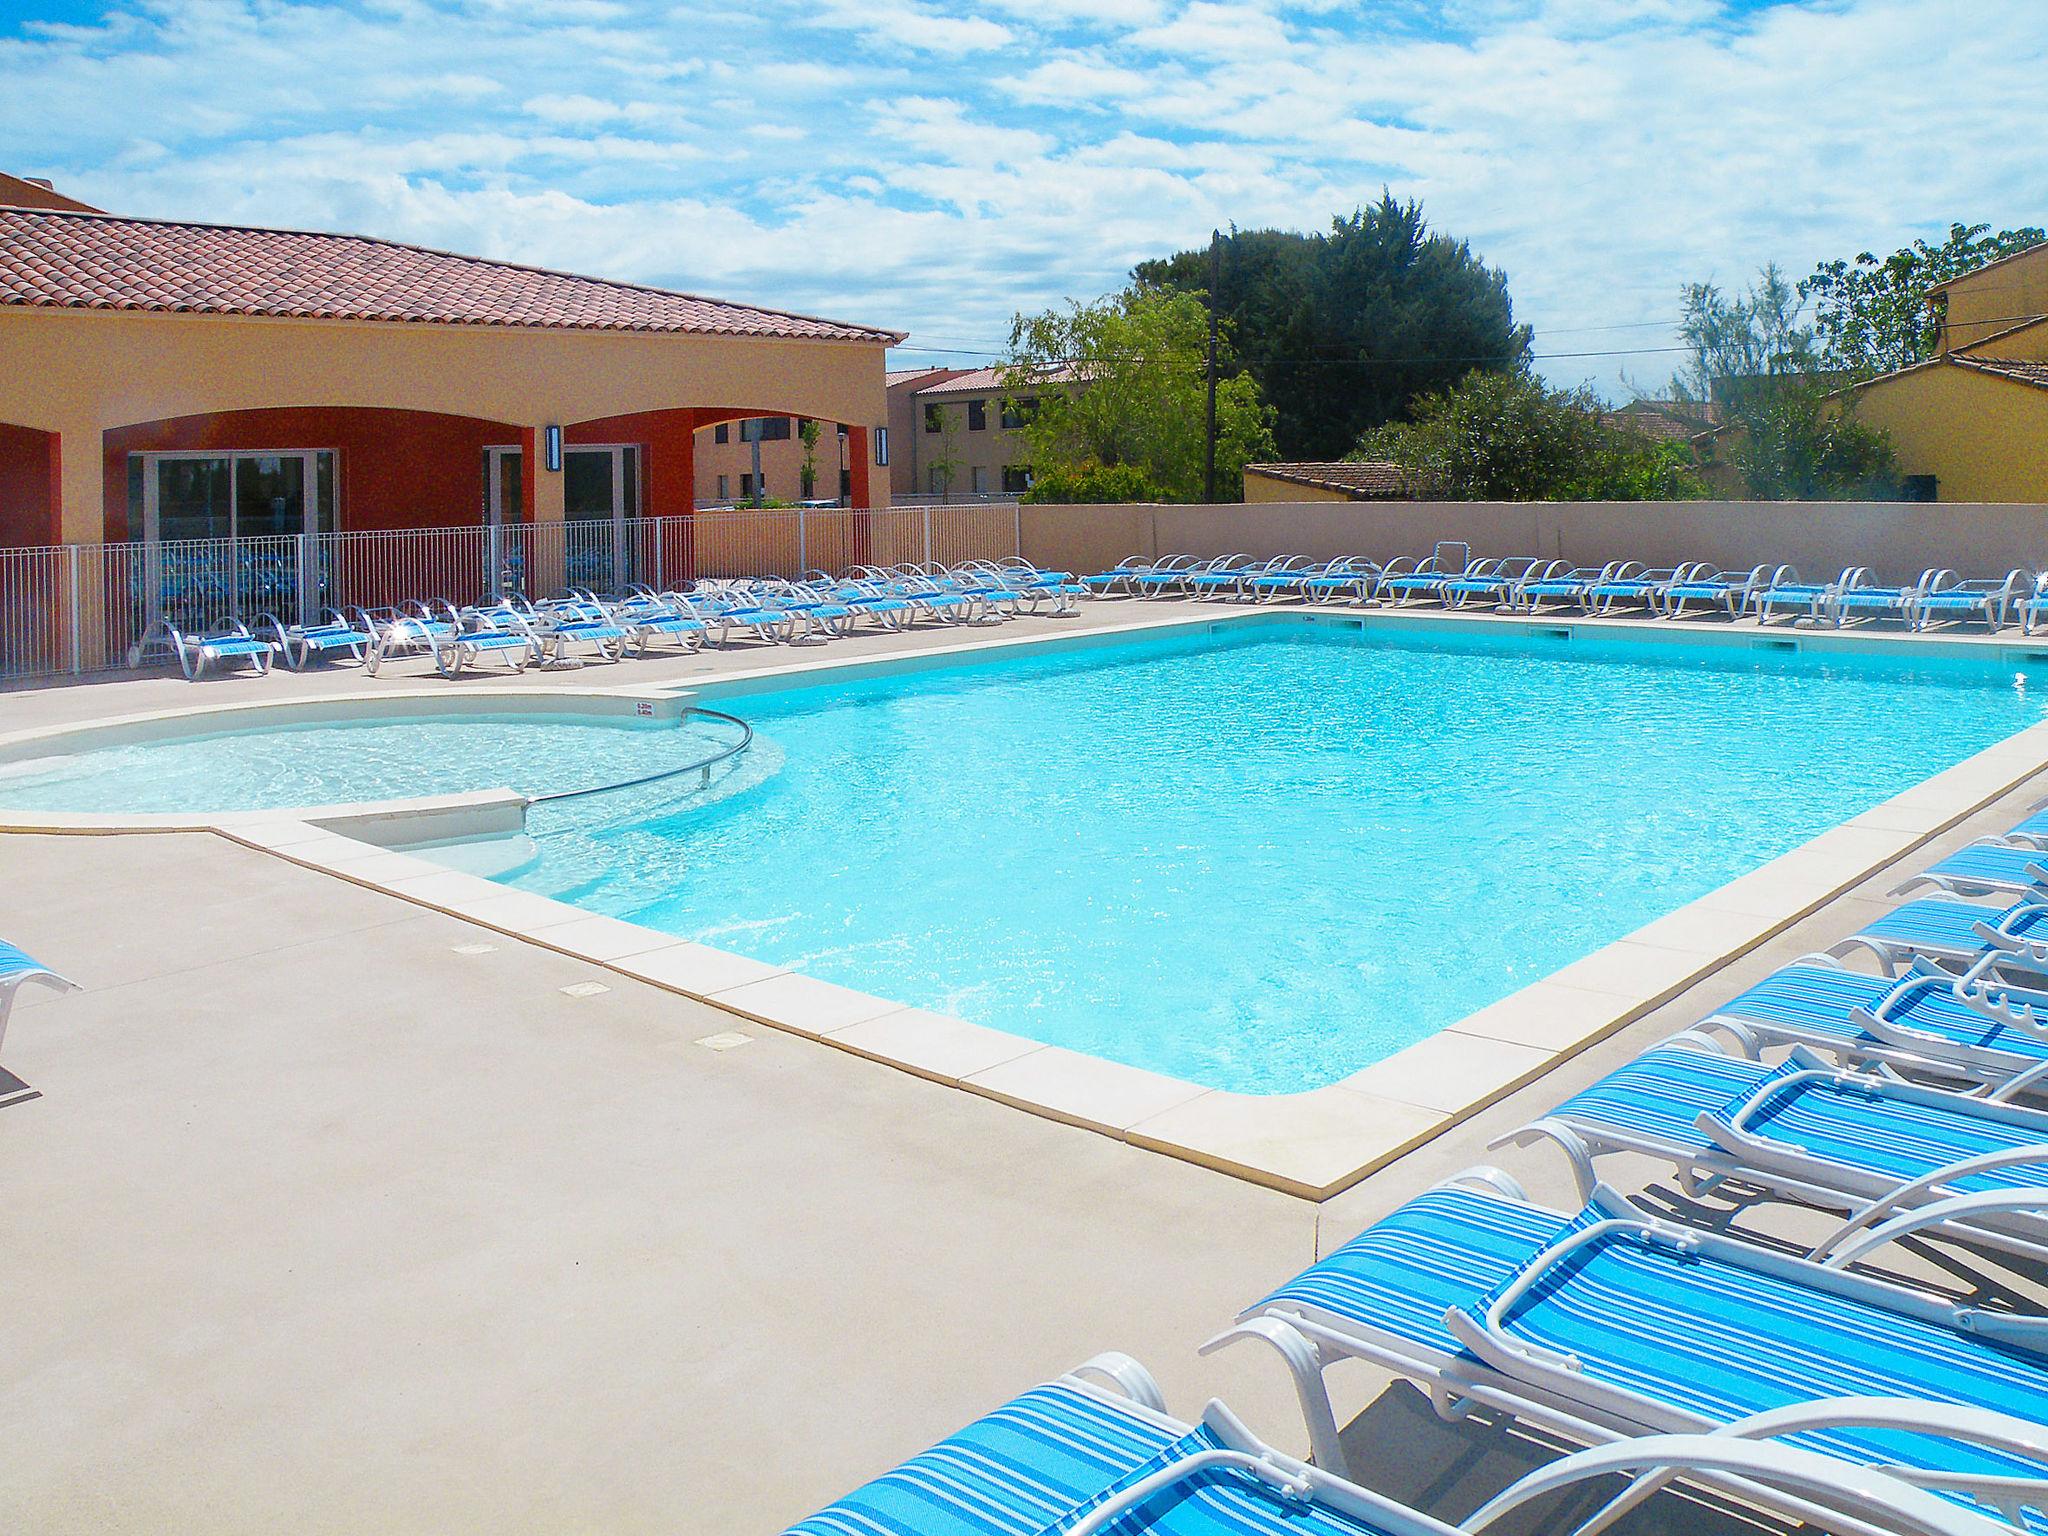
x,y
1312,1144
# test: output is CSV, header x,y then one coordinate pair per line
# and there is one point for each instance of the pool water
x,y
345,763
1262,861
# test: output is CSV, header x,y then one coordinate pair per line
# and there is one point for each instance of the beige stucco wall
x,y
2026,344
990,450
1982,437
1997,298
1258,487
1896,538
79,372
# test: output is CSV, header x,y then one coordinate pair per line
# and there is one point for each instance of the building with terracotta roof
x,y
956,431
1342,480
170,379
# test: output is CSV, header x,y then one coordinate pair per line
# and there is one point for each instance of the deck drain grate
x,y
584,989
475,949
726,1040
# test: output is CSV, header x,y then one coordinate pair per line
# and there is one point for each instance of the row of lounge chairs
x,y
1806,1384
584,626
1450,577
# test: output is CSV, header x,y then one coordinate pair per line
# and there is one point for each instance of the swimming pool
x,y
1257,855
1264,859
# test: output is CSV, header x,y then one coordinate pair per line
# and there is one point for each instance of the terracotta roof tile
x,y
97,261
1363,479
2018,370
985,380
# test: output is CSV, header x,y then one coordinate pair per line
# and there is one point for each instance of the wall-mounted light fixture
x,y
552,451
882,445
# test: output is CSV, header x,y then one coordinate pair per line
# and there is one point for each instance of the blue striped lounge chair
x,y
1990,866
1176,574
1292,578
648,619
1954,932
18,969
497,632
1245,580
1354,577
226,643
1606,1322
1122,576
1925,1021
1095,1453
1408,580
1958,602
1644,589
1802,599
1567,588
2034,605
332,637
1870,599
1726,593
1868,1144
1497,582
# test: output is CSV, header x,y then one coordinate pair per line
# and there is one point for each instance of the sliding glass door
x,y
221,533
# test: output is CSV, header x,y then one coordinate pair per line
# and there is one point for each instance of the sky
x,y
935,167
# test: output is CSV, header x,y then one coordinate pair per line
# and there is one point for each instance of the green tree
x,y
1092,482
1507,437
1122,382
1756,373
942,458
807,476
1343,330
1871,315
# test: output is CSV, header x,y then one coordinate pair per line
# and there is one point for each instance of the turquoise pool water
x,y
339,764
1258,860
1263,862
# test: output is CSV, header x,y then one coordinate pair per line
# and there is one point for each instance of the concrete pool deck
x,y
340,1212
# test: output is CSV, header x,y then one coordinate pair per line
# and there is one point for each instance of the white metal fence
x,y
80,608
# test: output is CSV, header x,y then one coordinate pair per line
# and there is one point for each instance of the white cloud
x,y
937,168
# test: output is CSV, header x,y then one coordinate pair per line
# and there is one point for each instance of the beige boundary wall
x,y
1897,539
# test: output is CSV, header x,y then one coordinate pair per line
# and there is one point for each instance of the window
x,y
979,478
1016,478
725,487
977,415
935,479
747,486
722,433
765,429
1918,488
1018,412
932,420
846,485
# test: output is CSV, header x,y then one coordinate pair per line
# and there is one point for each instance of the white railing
x,y
77,608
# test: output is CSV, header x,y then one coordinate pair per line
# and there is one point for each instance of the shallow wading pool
x,y
1257,859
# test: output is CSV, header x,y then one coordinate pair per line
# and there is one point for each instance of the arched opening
x,y
308,469
294,510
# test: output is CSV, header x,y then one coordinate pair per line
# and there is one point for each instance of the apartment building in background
x,y
725,460
955,432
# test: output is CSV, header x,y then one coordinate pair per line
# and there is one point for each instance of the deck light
x,y
553,436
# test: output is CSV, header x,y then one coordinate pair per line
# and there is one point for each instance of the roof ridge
x,y
1964,277
896,337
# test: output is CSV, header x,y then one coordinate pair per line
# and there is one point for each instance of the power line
x,y
1368,362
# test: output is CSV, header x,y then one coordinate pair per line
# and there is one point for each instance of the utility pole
x,y
1209,438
